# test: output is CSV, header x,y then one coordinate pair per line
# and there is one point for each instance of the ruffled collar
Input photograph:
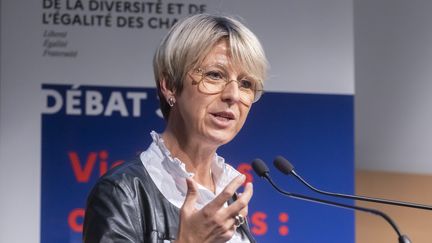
x,y
176,166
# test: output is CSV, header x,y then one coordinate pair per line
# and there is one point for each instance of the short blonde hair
x,y
190,40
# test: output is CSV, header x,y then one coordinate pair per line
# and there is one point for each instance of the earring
x,y
171,101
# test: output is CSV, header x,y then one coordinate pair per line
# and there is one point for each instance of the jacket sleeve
x,y
112,214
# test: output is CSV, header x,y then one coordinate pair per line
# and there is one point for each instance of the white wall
x,y
393,83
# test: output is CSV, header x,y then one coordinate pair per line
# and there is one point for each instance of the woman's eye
x,y
214,75
246,84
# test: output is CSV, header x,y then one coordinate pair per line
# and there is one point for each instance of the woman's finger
x,y
227,193
191,195
242,201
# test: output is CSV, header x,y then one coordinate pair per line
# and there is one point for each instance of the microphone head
x,y
283,165
260,167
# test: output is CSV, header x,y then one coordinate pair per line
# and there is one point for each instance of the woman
x,y
208,70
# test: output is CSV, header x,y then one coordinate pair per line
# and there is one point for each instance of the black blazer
x,y
126,206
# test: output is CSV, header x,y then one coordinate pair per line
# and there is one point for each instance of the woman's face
x,y
212,119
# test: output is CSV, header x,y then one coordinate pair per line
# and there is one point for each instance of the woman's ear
x,y
166,91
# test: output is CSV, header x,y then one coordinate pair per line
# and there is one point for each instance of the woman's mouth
x,y
224,115
223,119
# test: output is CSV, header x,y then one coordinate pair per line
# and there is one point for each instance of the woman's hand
x,y
214,222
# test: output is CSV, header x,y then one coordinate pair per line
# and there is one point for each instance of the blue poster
x,y
86,130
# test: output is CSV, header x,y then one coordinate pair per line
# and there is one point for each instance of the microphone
x,y
262,170
284,166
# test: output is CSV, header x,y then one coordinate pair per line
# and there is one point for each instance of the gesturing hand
x,y
214,222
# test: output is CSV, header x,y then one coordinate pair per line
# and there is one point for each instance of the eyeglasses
x,y
214,79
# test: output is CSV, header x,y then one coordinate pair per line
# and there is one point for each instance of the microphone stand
x,y
363,198
257,166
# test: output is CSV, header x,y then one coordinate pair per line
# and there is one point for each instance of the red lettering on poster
x,y
82,175
76,216
283,229
259,226
245,169
116,163
103,166
83,172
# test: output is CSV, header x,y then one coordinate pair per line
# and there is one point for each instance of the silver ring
x,y
239,220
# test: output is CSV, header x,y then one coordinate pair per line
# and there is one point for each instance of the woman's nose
x,y
231,92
